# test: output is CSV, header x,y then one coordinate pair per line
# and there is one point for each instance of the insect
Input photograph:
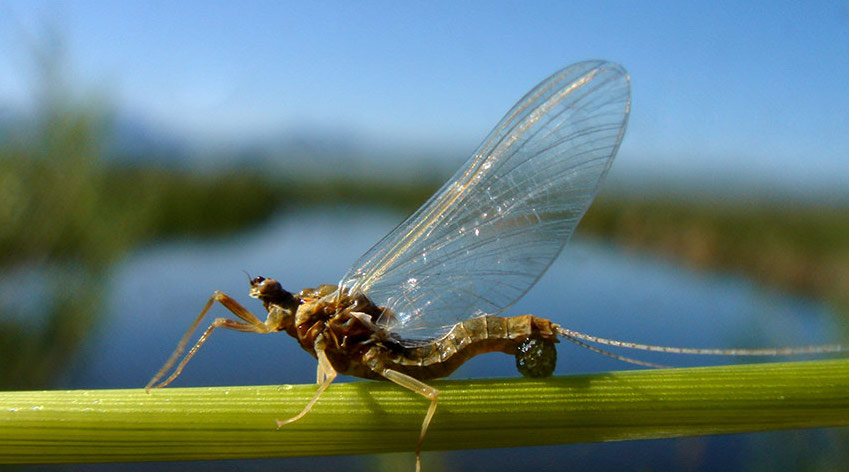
x,y
426,298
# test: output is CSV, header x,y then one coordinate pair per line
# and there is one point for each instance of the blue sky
x,y
719,89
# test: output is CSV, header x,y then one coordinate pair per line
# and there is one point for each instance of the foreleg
x,y
252,324
326,374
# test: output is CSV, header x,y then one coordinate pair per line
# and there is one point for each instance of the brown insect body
x,y
356,345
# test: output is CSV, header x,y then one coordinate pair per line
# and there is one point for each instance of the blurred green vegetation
x,y
795,247
53,254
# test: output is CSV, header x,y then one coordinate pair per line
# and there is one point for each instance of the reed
x,y
357,418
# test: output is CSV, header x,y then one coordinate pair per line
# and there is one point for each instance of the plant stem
x,y
372,417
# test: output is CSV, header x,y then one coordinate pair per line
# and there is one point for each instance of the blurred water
x,y
593,288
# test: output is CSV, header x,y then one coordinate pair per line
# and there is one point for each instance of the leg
x,y
253,325
422,389
320,374
326,374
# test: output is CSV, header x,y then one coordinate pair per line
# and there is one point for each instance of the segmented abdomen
x,y
468,339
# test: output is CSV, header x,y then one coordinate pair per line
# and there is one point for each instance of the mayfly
x,y
426,297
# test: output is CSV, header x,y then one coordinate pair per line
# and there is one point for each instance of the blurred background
x,y
152,151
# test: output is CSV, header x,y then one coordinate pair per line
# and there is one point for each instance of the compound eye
x,y
257,280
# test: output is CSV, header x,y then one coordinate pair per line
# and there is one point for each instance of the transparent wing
x,y
493,229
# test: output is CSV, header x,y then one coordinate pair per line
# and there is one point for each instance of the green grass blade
x,y
372,417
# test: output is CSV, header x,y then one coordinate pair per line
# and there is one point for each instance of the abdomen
x,y
468,339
